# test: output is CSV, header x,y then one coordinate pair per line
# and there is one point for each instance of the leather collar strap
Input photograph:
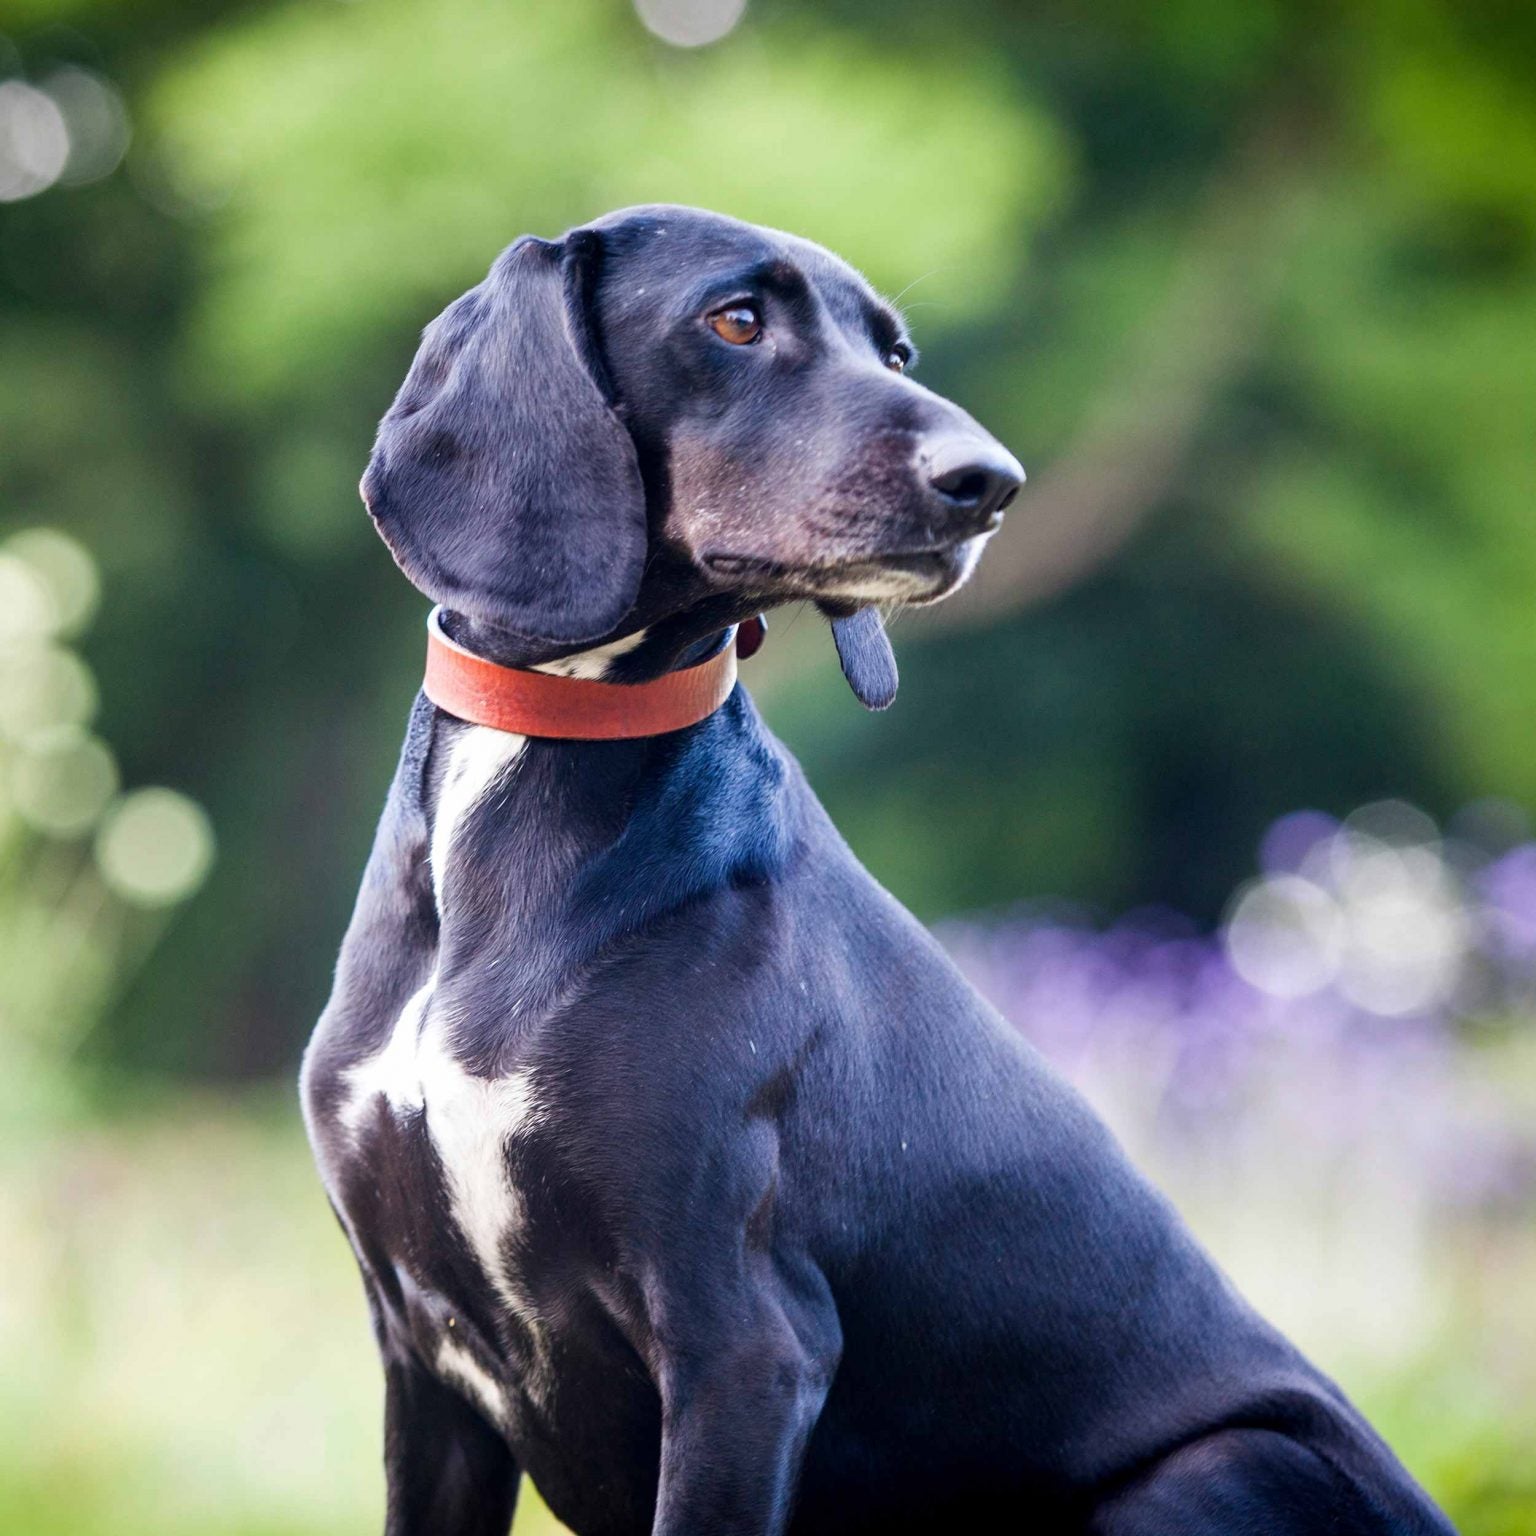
x,y
575,708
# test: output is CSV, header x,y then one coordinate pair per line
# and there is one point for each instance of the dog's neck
x,y
642,647
554,851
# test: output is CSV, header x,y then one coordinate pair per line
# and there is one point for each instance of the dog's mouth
x,y
850,590
917,576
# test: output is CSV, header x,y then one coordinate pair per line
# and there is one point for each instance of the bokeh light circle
x,y
66,571
26,605
34,141
1290,841
1407,931
155,847
1394,822
61,783
96,120
43,687
690,23
1286,937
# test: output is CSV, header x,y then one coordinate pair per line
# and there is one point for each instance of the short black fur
x,y
684,1171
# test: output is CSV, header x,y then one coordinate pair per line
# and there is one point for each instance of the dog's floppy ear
x,y
502,479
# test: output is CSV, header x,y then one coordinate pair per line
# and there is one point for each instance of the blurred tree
x,y
1252,286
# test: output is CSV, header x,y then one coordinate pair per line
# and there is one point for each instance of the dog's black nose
x,y
975,477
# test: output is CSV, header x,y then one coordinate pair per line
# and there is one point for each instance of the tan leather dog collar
x,y
529,703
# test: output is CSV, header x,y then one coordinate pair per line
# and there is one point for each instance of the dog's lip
x,y
727,564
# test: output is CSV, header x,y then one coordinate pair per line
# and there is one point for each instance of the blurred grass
x,y
186,1346
185,1343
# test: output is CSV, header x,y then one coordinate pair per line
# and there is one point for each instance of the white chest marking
x,y
458,1365
470,1119
478,760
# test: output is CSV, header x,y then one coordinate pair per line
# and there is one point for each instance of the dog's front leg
x,y
737,1411
449,1472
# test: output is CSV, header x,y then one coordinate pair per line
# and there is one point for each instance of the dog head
x,y
670,411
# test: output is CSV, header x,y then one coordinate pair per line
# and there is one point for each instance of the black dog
x,y
684,1171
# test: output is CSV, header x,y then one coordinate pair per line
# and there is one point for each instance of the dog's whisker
x,y
896,299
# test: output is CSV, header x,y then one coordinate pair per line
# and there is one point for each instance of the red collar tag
x,y
528,703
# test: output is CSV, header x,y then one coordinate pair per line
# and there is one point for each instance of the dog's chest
x,y
418,1087
420,1152
422,1158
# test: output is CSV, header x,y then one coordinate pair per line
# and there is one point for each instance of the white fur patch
x,y
593,664
478,758
461,1367
970,553
470,1119
881,587
393,1073
894,586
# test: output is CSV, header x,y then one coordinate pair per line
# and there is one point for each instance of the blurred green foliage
x,y
1251,288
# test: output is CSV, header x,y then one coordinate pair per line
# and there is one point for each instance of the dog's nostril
x,y
1007,500
964,487
976,477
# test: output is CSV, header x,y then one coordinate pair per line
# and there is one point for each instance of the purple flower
x,y
1149,1016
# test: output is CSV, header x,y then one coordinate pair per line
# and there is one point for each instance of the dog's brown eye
x,y
897,359
738,324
